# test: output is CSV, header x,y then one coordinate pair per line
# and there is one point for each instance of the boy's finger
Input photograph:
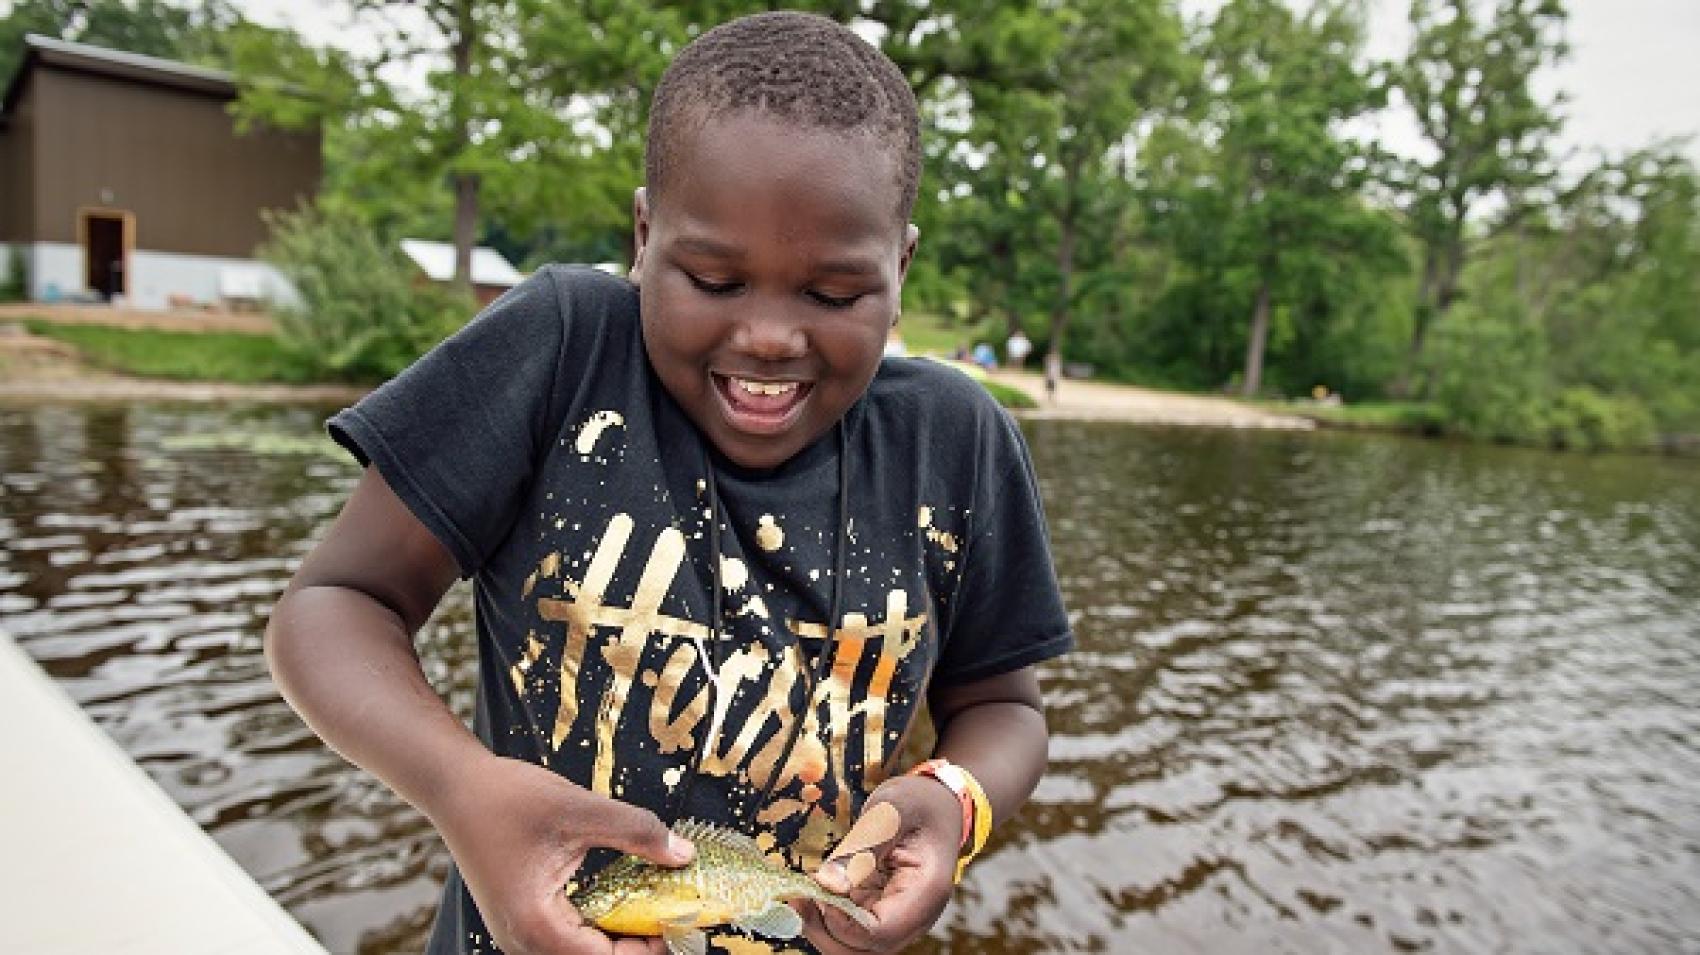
x,y
643,834
878,825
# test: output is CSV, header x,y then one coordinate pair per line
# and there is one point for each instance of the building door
x,y
106,244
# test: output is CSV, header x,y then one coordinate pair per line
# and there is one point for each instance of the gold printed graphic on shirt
x,y
673,733
626,649
769,535
522,667
899,635
585,612
818,778
592,429
774,707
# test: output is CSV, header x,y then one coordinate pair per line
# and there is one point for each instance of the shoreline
x,y
39,369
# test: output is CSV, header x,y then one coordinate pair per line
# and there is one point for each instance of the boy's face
x,y
769,271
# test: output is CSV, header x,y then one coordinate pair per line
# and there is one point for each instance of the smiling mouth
x,y
761,405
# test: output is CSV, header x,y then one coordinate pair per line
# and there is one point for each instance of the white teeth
x,y
766,388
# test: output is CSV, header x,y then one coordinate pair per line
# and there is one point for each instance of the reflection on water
x,y
1333,692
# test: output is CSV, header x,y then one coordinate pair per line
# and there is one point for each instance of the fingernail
x,y
832,875
680,847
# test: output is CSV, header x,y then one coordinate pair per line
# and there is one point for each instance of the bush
x,y
1583,418
363,315
15,286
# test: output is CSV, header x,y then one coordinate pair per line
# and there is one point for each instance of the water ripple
x,y
1333,693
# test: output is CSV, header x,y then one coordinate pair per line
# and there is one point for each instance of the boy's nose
x,y
769,336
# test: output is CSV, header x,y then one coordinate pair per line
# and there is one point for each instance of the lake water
x,y
1332,693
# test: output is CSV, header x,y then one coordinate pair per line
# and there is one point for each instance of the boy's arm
x,y
995,728
340,647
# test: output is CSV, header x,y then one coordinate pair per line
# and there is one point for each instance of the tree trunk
x,y
1439,289
466,225
1259,338
466,184
1065,276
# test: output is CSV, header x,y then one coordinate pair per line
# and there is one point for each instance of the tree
x,y
179,31
1468,82
1579,328
1037,194
1268,209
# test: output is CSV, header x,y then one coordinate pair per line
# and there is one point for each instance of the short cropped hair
x,y
795,67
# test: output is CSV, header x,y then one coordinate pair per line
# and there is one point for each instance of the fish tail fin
x,y
855,912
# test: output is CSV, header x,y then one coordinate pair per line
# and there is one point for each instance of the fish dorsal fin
x,y
776,921
708,833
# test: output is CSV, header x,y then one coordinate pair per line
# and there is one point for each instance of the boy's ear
x,y
640,234
911,235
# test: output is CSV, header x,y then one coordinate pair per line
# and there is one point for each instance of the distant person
x,y
984,356
662,487
1053,372
1018,348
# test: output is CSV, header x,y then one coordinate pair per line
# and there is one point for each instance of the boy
x,y
664,491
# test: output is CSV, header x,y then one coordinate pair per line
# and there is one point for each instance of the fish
x,y
729,882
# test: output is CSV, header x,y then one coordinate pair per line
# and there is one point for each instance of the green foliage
x,y
1468,82
1261,202
192,32
1584,419
183,356
1584,321
365,312
1120,183
15,286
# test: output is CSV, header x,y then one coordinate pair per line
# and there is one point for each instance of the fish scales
x,y
729,882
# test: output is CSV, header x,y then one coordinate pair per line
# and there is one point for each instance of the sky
x,y
1633,75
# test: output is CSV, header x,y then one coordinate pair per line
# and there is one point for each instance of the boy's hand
x,y
519,833
897,861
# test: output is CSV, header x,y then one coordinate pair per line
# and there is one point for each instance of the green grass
x,y
182,356
1010,397
1413,416
927,334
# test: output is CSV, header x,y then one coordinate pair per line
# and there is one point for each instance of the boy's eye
x,y
708,287
834,301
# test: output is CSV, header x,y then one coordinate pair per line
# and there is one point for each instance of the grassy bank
x,y
235,357
1411,417
182,356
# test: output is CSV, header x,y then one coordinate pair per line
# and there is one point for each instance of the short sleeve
x,y
459,434
1007,612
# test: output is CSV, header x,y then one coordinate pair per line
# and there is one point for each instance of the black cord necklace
x,y
714,658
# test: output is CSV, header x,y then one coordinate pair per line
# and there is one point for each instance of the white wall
x,y
56,265
156,276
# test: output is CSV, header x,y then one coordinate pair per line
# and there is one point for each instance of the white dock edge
x,y
96,858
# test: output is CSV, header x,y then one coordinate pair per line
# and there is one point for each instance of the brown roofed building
x,y
124,176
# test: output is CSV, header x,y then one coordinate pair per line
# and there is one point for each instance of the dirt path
x,y
34,368
1101,401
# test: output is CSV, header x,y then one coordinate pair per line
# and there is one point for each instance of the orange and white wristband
x,y
976,810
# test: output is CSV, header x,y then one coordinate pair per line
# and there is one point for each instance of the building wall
x,y
56,273
17,171
55,269
169,157
204,279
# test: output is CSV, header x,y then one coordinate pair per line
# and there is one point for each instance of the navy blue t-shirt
x,y
541,450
